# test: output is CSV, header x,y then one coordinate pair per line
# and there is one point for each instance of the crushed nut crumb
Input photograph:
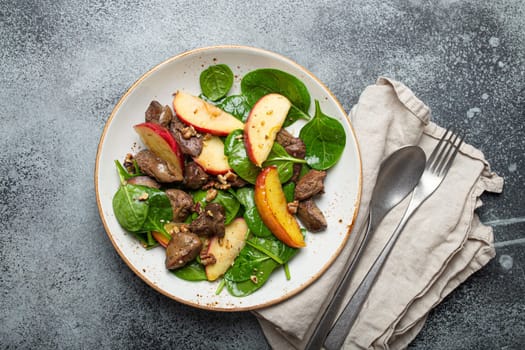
x,y
293,206
220,186
254,279
222,179
207,258
188,132
211,194
144,196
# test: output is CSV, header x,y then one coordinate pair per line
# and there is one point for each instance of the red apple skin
x,y
160,141
265,120
203,116
272,206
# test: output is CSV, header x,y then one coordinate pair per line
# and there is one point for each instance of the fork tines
x,y
443,155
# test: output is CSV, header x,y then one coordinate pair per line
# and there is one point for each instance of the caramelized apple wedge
x,y
204,116
226,249
264,122
160,141
272,206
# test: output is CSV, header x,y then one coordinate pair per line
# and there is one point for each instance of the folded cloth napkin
x,y
442,244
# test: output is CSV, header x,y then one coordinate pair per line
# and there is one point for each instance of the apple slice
x,y
264,122
204,116
212,158
161,237
226,249
160,141
272,206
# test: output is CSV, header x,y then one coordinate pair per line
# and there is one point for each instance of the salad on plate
x,y
222,185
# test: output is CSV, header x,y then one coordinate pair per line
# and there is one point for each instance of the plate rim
x,y
313,277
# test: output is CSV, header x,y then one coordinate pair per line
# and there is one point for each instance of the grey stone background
x,y
63,66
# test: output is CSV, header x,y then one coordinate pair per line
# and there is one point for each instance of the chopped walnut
x,y
207,258
188,132
211,194
144,196
225,180
220,186
222,179
216,185
292,207
208,185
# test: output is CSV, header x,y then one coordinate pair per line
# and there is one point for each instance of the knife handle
x,y
324,325
336,337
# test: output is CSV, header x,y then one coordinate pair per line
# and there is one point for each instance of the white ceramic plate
x,y
339,203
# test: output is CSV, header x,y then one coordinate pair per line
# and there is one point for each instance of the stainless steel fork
x,y
436,169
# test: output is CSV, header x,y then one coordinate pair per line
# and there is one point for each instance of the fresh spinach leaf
x,y
288,190
160,211
238,159
325,140
245,195
140,210
123,174
249,272
216,81
227,200
131,213
251,214
260,82
283,161
255,263
237,106
235,150
192,271
246,264
274,248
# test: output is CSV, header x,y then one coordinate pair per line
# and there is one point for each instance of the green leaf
x,y
237,106
274,248
160,211
255,263
251,214
325,140
283,161
238,159
260,82
131,213
250,271
227,200
193,271
289,190
216,81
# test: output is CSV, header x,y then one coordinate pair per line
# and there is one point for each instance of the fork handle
x,y
346,320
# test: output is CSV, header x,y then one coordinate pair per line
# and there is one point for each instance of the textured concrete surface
x,y
63,66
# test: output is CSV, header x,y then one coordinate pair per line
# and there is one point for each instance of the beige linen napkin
x,y
442,244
